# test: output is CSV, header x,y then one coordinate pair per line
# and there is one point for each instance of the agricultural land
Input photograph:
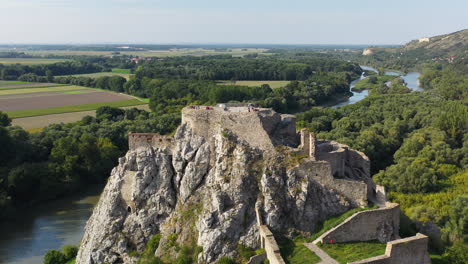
x,y
65,103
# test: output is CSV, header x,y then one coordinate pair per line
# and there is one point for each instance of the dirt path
x,y
326,259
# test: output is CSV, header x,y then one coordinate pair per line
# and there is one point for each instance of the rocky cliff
x,y
203,190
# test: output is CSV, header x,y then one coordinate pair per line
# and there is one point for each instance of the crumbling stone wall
x,y
321,172
411,250
380,224
346,163
258,128
138,140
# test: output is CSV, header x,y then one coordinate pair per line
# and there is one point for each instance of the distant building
x,y
424,40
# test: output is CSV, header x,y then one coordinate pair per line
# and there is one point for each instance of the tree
x,y
70,252
49,76
4,119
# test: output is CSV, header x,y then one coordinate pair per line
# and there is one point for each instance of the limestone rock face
x,y
204,190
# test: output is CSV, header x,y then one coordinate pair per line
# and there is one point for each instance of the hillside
x,y
453,42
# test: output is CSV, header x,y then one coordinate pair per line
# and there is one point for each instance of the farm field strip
x,y
29,85
30,61
40,90
36,122
272,84
71,108
12,82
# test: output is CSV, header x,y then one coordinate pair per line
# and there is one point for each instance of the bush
x,y
70,252
458,253
54,257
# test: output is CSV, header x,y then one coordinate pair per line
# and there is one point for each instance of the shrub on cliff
x,y
54,257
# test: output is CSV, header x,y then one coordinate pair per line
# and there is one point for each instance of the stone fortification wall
x,y
258,128
138,140
411,250
321,172
308,143
271,247
380,224
346,163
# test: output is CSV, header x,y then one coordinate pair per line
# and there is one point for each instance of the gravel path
x,y
326,259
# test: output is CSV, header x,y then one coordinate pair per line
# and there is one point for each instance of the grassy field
x,y
29,61
296,253
2,83
71,108
273,84
24,90
122,71
349,252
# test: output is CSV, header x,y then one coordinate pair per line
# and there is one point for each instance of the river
x,y
411,79
48,226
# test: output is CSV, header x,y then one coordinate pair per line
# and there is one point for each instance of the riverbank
x,y
47,226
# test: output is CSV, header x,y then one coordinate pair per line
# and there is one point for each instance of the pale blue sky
x,y
218,21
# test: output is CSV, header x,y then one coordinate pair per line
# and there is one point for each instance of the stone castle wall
x,y
380,224
138,140
258,128
269,244
321,172
411,250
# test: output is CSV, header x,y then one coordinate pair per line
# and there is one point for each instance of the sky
x,y
227,22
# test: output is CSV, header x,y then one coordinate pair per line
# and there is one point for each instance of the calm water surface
x,y
411,79
48,226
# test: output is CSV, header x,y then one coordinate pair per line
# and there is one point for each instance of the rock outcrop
x,y
202,189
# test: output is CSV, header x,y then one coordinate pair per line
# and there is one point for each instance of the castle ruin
x,y
332,165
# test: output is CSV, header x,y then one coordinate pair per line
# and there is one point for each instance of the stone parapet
x,y
271,247
411,250
381,224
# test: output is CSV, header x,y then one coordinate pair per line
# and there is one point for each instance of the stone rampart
x,y
411,250
138,140
269,244
258,128
321,172
346,163
381,224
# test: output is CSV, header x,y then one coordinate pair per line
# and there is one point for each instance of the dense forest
x,y
225,67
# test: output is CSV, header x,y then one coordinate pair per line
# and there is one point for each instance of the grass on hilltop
x,y
71,108
349,252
